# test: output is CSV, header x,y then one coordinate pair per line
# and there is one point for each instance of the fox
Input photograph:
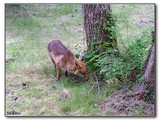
x,y
63,59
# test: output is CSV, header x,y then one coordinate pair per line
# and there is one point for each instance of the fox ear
x,y
82,58
77,64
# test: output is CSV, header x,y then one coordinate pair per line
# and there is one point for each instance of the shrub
x,y
122,66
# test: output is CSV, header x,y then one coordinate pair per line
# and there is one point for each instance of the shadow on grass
x,y
50,72
71,81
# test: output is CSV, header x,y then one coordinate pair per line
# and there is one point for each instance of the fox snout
x,y
85,76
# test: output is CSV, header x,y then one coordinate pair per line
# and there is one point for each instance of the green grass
x,y
31,63
32,26
133,21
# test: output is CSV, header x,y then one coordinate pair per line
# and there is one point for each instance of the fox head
x,y
80,68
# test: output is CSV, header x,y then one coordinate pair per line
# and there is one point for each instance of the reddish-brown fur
x,y
64,59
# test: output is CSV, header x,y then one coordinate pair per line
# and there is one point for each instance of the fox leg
x,y
54,63
58,71
66,74
52,60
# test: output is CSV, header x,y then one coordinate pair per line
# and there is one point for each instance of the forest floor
x,y
31,88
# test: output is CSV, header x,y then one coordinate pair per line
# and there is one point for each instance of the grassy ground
x,y
31,89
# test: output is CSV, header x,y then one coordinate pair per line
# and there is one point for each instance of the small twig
x,y
91,89
76,45
97,83
53,77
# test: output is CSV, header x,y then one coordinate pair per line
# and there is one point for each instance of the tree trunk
x,y
98,22
149,70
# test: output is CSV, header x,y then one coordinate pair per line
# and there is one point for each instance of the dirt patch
x,y
128,104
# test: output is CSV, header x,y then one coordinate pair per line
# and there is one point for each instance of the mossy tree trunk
x,y
101,38
99,25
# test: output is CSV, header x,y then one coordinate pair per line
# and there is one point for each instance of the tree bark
x,y
98,22
149,69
